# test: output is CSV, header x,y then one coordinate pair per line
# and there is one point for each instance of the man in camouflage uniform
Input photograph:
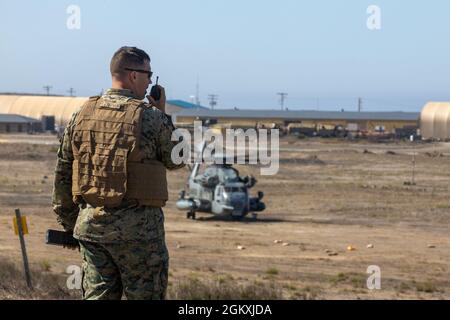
x,y
122,246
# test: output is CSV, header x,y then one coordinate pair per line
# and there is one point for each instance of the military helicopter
x,y
220,191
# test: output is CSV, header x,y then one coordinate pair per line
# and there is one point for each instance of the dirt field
x,y
328,195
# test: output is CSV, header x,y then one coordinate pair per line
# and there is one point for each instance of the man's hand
x,y
161,103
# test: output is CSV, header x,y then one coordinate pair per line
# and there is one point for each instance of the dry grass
x,y
222,288
49,286
45,285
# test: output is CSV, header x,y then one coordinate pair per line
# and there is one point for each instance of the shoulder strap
x,y
94,98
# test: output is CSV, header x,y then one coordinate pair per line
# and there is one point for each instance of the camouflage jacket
x,y
129,222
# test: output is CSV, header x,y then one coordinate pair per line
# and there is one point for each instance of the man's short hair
x,y
127,57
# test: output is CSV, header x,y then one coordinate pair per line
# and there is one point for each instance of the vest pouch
x,y
102,177
147,182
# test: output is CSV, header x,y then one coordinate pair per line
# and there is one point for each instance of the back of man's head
x,y
127,57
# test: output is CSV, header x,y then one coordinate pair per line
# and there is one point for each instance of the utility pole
x,y
283,96
197,92
71,91
47,88
359,104
413,181
213,100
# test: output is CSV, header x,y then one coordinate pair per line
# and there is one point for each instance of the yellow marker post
x,y
19,229
24,225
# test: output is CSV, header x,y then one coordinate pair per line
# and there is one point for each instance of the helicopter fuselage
x,y
220,192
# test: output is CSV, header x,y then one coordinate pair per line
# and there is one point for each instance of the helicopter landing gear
x,y
190,214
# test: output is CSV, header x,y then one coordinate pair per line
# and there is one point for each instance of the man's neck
x,y
121,92
119,86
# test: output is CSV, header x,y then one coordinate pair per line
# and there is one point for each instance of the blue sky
x,y
320,52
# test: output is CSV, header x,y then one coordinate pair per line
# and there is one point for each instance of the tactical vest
x,y
109,165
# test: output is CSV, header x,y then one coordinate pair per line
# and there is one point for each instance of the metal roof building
x,y
17,123
62,108
14,118
176,106
185,105
38,106
353,121
435,121
299,115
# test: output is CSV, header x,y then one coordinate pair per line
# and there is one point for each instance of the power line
x,y
47,89
197,92
283,96
71,91
213,100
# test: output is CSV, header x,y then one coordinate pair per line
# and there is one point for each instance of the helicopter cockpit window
x,y
235,189
222,174
230,174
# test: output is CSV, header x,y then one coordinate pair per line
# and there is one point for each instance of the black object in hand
x,y
61,238
155,93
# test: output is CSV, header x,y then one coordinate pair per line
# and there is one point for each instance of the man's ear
x,y
132,77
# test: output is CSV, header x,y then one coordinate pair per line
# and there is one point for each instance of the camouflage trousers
x,y
140,270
